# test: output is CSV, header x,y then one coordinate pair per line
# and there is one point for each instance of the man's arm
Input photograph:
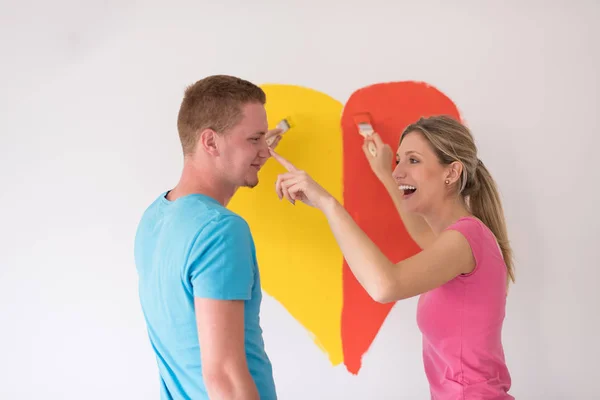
x,y
221,334
221,273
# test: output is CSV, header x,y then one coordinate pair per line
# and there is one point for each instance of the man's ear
x,y
208,141
454,172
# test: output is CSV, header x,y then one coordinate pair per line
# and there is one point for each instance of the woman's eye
x,y
414,161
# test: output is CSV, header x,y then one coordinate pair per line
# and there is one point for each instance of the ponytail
x,y
484,202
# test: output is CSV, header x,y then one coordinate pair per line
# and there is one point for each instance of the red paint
x,y
392,106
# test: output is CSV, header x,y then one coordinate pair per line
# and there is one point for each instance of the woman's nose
x,y
399,172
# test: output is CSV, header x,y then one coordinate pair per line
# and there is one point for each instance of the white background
x,y
88,101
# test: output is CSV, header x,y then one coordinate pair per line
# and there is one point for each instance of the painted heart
x,y
300,262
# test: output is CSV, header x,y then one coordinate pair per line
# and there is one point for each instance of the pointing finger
x,y
286,164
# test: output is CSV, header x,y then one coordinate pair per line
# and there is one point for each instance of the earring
x,y
447,181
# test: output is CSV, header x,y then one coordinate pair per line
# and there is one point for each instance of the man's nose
x,y
264,151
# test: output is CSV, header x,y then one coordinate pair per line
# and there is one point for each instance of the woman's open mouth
x,y
407,190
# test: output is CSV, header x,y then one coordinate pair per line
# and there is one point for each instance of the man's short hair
x,y
214,102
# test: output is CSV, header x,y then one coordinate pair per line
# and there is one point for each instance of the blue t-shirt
x,y
195,247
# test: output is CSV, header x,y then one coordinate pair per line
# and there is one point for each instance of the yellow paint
x,y
300,263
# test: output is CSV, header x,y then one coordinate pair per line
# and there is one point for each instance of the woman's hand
x,y
381,163
298,185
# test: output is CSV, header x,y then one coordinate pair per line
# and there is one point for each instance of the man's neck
x,y
201,181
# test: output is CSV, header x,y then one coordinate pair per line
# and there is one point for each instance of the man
x,y
199,284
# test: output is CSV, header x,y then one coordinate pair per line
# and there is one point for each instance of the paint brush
x,y
285,125
365,128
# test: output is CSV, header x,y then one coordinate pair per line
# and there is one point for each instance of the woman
x,y
450,205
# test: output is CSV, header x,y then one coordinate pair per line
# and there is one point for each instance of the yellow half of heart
x,y
299,260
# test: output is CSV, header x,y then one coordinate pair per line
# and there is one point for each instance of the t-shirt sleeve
x,y
471,229
221,263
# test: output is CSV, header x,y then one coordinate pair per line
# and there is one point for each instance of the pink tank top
x,y
461,322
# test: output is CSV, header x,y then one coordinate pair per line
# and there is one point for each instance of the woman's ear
x,y
453,172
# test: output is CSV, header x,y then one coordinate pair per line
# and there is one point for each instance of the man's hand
x,y
273,137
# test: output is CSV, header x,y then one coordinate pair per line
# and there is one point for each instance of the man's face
x,y
243,149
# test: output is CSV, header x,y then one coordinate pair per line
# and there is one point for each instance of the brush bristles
x,y
365,129
284,125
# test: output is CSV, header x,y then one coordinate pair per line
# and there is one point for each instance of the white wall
x,y
88,106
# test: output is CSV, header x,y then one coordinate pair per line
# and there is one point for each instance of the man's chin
x,y
251,183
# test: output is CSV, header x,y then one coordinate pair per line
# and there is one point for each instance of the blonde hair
x,y
452,141
214,102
